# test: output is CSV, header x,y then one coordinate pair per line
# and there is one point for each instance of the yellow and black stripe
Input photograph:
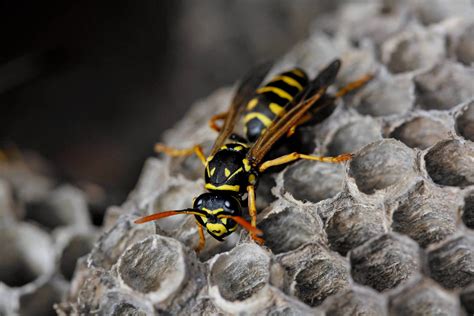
x,y
270,100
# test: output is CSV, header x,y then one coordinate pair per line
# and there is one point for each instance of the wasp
x,y
235,163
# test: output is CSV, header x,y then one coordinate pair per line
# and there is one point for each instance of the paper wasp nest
x,y
389,233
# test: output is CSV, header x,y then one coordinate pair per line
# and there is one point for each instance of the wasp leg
x,y
212,121
295,156
353,85
202,239
174,152
253,213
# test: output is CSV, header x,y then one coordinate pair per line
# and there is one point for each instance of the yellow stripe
x,y
227,172
264,119
290,81
237,171
281,93
246,164
277,109
216,211
224,187
299,73
213,170
252,104
238,148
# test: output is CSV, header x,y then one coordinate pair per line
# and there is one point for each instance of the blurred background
x,y
91,85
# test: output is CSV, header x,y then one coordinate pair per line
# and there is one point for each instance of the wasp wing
x,y
302,103
244,93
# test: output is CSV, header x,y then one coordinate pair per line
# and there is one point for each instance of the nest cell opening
x,y
153,265
420,132
27,254
77,247
451,163
314,181
381,164
41,301
241,273
354,136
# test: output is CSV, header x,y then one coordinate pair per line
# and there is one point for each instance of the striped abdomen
x,y
270,100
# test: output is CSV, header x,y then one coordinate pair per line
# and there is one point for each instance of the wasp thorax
x,y
228,169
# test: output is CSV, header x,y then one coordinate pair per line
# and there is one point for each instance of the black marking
x,y
280,84
269,97
302,80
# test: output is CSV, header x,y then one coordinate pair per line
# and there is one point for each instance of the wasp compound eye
x,y
199,202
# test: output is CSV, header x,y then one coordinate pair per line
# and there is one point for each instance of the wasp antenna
x,y
246,225
156,216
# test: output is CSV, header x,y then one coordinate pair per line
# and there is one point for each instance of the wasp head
x,y
217,208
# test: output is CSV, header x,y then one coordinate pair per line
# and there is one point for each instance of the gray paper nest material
x,y
390,232
43,231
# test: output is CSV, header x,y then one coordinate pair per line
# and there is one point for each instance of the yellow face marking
x,y
224,221
299,73
213,170
213,212
210,158
227,172
246,164
217,229
238,148
261,117
252,104
224,187
252,179
280,92
277,109
290,81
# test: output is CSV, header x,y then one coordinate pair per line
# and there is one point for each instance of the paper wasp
x,y
234,164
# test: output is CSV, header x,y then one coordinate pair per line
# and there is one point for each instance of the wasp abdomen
x,y
270,100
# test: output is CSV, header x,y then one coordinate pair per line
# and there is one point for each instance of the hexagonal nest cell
x,y
382,164
388,233
444,86
451,162
421,132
